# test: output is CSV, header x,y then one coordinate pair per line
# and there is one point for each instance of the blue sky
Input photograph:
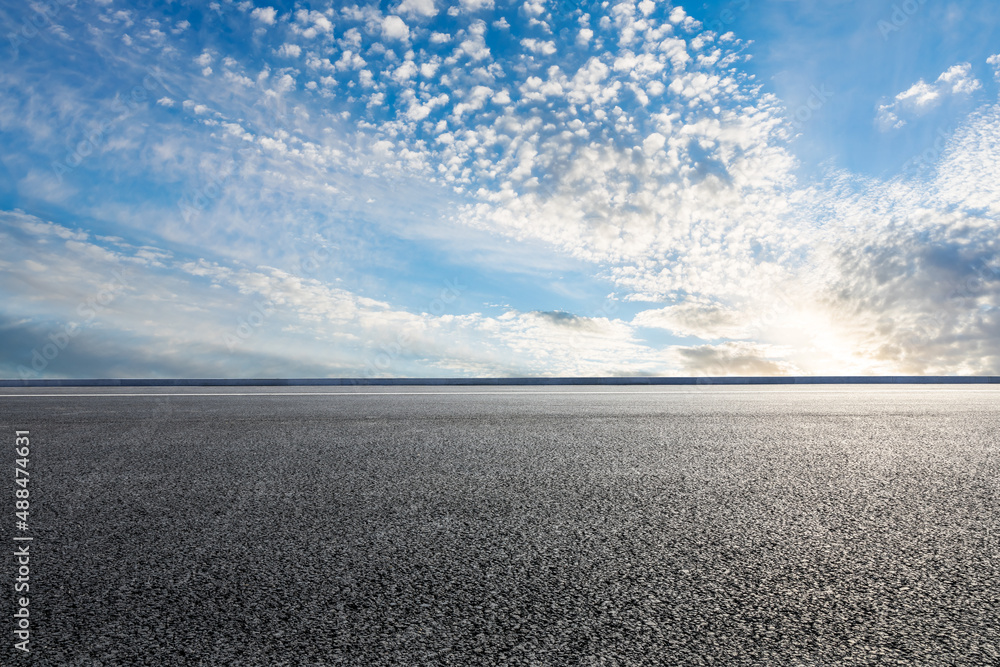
x,y
419,188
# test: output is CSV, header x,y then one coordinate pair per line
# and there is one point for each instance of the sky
x,y
417,188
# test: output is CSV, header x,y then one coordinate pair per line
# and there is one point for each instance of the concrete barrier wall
x,y
537,381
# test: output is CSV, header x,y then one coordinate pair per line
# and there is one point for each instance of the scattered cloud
x,y
418,8
395,28
921,97
650,159
476,5
541,47
994,60
211,317
709,321
266,15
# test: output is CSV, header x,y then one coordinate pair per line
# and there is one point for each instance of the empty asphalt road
x,y
847,525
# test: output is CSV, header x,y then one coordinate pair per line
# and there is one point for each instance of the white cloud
x,y
349,60
921,97
285,83
994,60
395,28
700,86
290,51
474,100
422,8
238,79
429,69
653,144
194,107
541,47
208,316
476,5
309,24
266,15
968,166
533,8
125,17
687,202
418,112
958,80
405,72
474,47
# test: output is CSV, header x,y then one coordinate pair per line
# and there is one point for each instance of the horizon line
x,y
502,381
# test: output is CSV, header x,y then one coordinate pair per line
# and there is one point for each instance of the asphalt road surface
x,y
508,526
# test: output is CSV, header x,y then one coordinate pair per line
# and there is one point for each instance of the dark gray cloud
x,y
564,319
730,359
44,349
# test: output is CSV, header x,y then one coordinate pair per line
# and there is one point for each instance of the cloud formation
x,y
266,15
921,97
429,160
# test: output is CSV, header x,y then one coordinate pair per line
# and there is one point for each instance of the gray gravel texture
x,y
694,526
